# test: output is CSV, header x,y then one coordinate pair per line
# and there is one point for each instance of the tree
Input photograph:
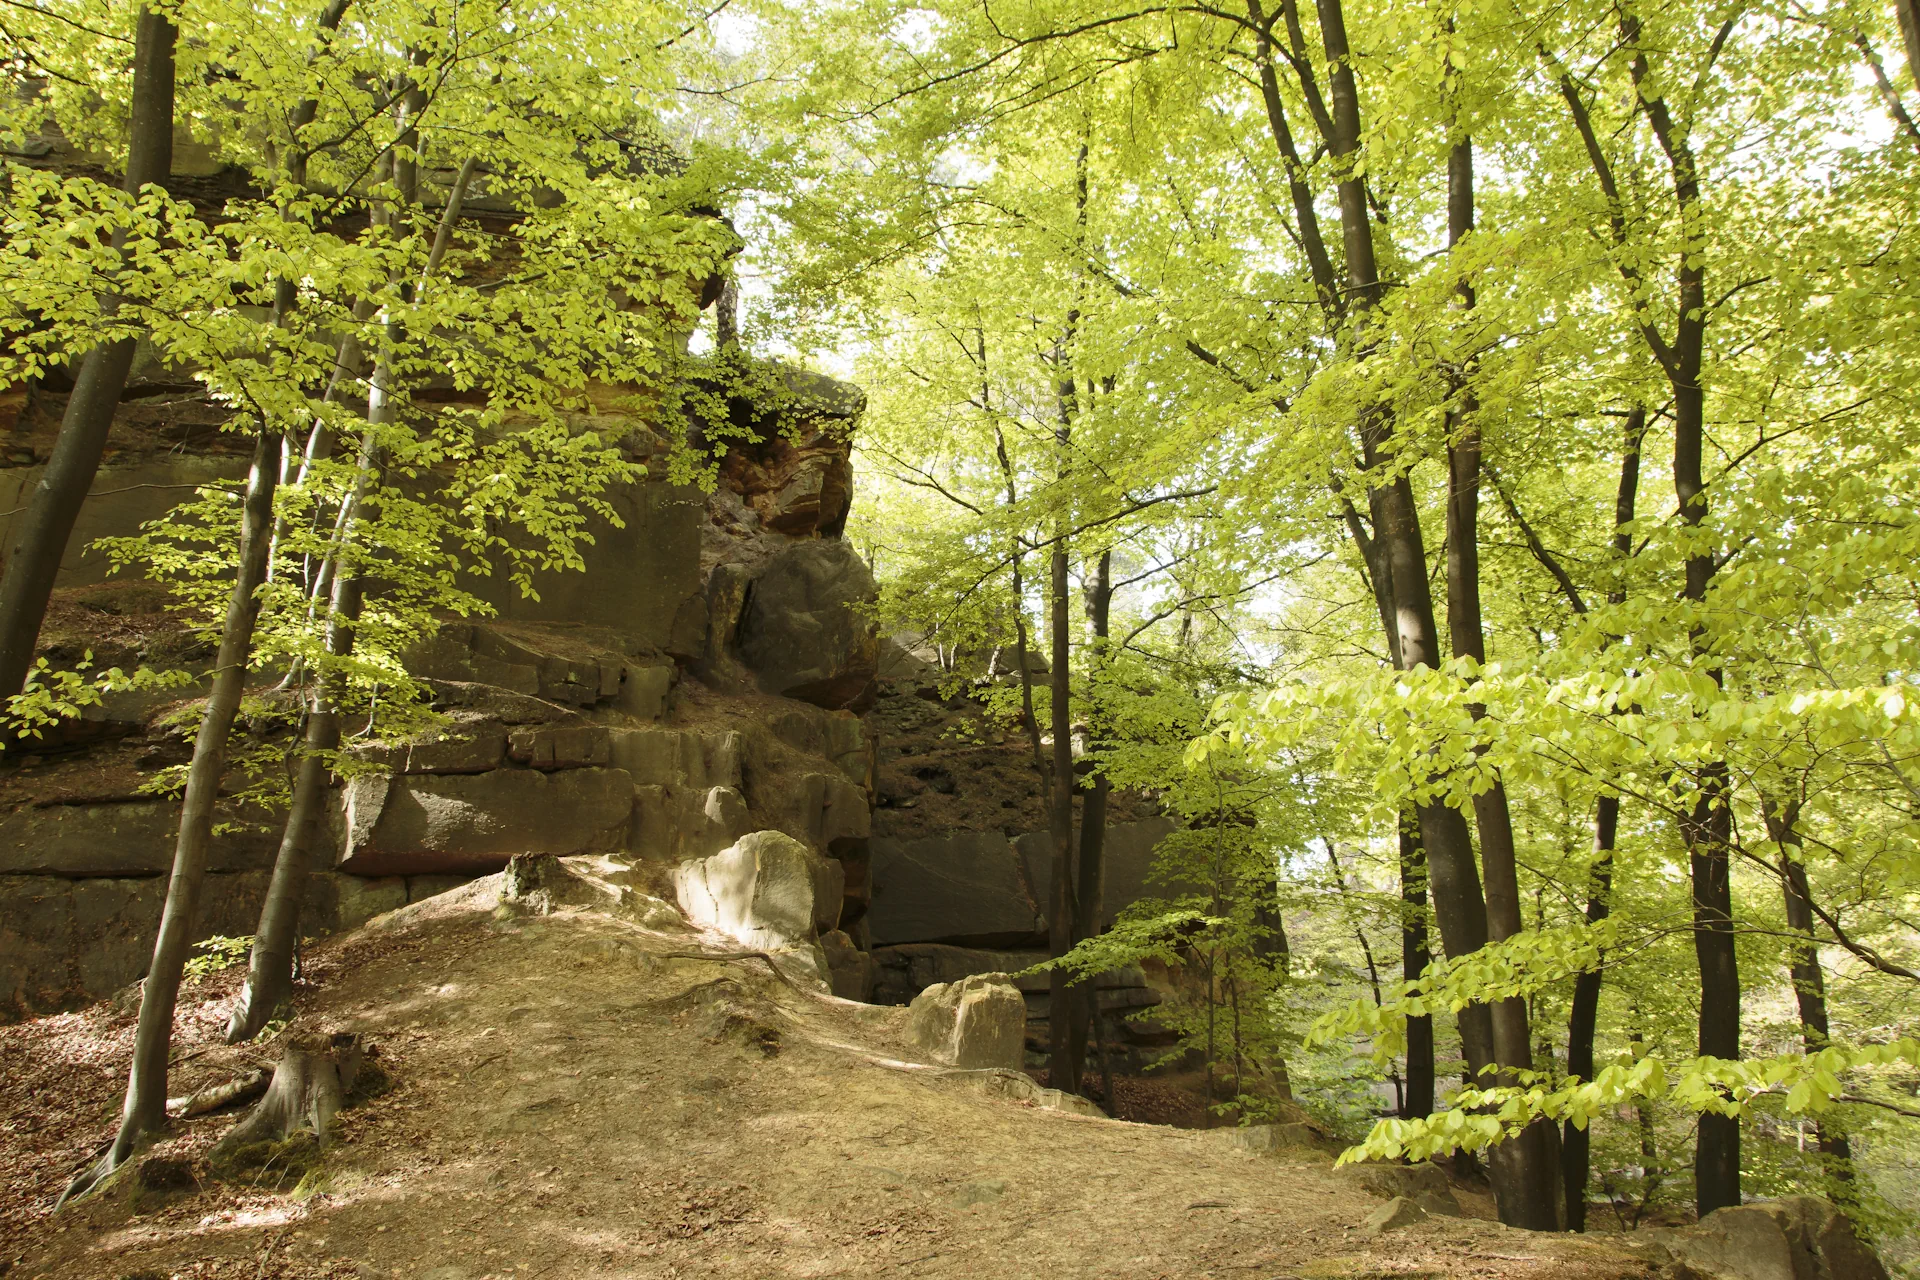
x,y
33,561
337,571
1633,267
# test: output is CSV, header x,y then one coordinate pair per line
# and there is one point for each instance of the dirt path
x,y
566,1101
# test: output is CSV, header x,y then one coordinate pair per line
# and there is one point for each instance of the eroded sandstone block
x,y
979,1021
802,631
441,824
767,889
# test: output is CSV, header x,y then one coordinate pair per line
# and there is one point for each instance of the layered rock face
x,y
689,688
960,862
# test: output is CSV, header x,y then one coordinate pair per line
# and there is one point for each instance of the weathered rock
x,y
1794,1238
1394,1215
838,735
1270,1139
849,969
674,823
477,702
1018,1086
1127,856
1390,1180
450,823
124,495
767,890
798,487
802,632
899,663
637,577
647,690
556,664
1818,1233
979,1021
472,747
963,888
63,940
420,888
1740,1243
683,758
124,838
567,747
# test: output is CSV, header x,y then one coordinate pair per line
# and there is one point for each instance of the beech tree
x,y
1453,299
586,263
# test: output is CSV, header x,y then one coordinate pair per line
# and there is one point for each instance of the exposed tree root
x,y
213,1097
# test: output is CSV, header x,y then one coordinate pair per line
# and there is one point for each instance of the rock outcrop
x,y
978,1022
800,629
681,692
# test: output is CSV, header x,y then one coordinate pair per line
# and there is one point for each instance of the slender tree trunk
x,y
1582,1020
33,562
1708,828
1063,1071
1803,965
269,982
1708,833
146,1100
1576,1142
1535,1149
1090,884
1029,721
1415,955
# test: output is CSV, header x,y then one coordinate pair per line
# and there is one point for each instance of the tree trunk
x,y
1063,1071
311,1084
33,562
1803,965
269,982
1535,1150
145,1109
1576,1142
1274,950
1017,561
1063,1066
1907,12
1582,1020
1415,955
1708,833
1090,884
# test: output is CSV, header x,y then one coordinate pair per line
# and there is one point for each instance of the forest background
x,y
1459,456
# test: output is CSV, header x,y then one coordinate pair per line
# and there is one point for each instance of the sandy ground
x,y
567,1100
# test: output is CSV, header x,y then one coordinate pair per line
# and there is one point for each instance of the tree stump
x,y
286,1128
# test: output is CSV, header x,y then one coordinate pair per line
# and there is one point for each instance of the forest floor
x,y
566,1099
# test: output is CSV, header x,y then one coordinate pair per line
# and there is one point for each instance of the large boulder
x,y
1794,1238
849,969
977,1022
767,890
1396,1214
1818,1233
803,633
962,888
472,823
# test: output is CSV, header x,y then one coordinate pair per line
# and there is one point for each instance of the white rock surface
x,y
979,1021
767,890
